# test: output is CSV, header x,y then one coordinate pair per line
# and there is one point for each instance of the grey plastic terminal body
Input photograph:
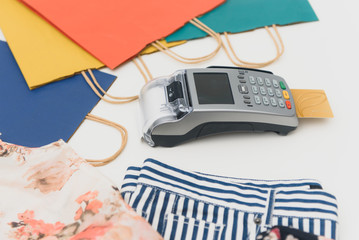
x,y
193,103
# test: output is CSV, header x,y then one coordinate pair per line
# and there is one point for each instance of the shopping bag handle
x,y
229,52
241,63
124,136
161,47
96,88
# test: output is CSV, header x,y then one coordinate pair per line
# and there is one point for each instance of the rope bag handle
x,y
124,136
241,63
96,88
235,59
164,49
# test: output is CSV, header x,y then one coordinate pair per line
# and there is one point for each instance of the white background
x,y
318,55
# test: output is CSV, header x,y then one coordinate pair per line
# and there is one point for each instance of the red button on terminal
x,y
289,105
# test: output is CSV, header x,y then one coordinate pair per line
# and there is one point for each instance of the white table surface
x,y
318,55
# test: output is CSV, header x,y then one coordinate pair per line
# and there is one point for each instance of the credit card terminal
x,y
193,103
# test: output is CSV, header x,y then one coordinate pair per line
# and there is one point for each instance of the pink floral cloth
x,y
50,193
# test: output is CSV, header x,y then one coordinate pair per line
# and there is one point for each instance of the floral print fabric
x,y
50,193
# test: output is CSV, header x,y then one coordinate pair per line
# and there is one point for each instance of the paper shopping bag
x,y
42,52
38,117
114,31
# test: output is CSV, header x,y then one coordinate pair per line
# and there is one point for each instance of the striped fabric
x,y
190,205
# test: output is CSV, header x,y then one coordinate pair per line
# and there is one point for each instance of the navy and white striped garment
x,y
189,205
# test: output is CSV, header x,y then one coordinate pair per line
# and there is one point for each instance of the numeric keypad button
x,y
257,100
262,90
278,93
273,102
275,83
270,92
260,81
255,89
281,103
252,80
267,82
265,101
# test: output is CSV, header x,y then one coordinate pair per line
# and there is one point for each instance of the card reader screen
x,y
213,88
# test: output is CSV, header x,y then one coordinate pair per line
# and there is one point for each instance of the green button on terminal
x,y
282,85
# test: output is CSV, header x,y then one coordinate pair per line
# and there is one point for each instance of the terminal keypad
x,y
269,92
265,91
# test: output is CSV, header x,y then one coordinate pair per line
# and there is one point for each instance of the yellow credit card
x,y
311,103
